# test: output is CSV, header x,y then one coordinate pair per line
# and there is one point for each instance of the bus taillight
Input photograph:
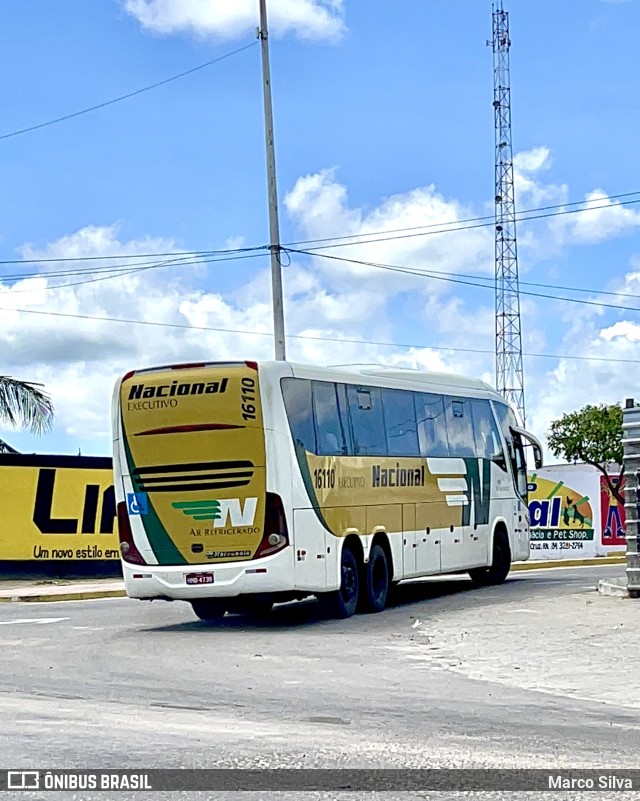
x,y
276,535
127,546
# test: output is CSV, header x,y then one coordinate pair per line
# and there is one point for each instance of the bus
x,y
243,484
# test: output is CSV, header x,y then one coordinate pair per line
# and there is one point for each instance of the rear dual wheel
x,y
342,603
367,586
376,587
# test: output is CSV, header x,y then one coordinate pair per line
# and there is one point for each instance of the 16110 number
x,y
248,398
324,478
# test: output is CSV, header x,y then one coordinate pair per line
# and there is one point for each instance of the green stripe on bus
x,y
162,545
301,456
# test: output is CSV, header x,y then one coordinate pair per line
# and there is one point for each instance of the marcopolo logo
x,y
177,389
220,512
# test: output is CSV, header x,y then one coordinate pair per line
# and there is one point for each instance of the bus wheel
x,y
343,602
500,566
376,587
209,609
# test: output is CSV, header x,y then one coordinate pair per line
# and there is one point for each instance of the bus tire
x,y
343,602
376,581
500,565
210,610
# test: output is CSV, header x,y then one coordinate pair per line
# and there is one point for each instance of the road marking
x,y
37,620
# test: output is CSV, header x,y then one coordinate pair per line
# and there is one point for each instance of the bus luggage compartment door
x,y
310,544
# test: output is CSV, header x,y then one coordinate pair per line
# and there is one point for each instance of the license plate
x,y
199,578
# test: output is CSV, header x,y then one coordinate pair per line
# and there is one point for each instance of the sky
x,y
383,120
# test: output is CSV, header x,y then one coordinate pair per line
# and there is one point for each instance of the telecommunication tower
x,y
509,372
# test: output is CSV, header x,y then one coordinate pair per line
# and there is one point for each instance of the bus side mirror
x,y
535,444
537,457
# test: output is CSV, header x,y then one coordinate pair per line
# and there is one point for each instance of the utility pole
x,y
274,228
509,369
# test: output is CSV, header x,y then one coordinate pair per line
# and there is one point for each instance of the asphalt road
x,y
121,683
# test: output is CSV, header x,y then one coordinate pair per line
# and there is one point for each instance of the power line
x,y
194,257
121,271
435,228
109,269
108,272
127,96
490,279
116,256
449,230
421,345
422,274
489,217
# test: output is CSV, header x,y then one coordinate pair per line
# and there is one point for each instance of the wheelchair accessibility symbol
x,y
137,503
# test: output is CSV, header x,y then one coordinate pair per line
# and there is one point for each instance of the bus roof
x,y
376,374
384,375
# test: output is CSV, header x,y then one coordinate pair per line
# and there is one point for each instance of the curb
x,y
612,591
614,588
89,595
598,560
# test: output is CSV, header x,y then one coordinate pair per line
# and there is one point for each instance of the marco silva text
x,y
605,781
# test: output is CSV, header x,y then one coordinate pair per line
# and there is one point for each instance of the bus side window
x,y
297,403
432,428
367,422
400,422
486,433
459,427
332,435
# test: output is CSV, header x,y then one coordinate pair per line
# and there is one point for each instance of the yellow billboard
x,y
59,508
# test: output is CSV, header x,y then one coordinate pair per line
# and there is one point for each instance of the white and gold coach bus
x,y
240,485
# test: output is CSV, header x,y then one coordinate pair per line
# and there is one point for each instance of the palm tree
x,y
24,404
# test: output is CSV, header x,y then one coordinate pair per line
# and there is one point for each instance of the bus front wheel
x,y
343,602
209,609
376,586
500,565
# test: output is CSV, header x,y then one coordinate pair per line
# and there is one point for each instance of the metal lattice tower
x,y
509,372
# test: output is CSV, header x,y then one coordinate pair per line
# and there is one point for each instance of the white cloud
x,y
530,191
623,329
230,19
538,158
602,219
319,205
